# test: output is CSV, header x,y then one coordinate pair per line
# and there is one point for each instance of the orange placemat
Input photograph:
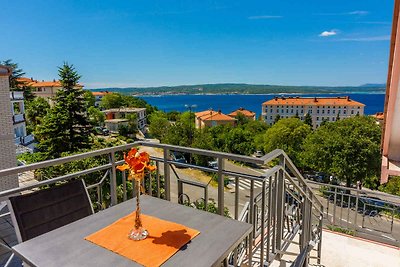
x,y
164,240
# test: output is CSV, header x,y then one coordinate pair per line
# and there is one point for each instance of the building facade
x,y
320,108
21,138
117,116
7,152
45,89
211,118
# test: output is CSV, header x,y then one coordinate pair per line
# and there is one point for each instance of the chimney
x,y
219,111
54,80
32,79
348,98
315,99
276,98
7,147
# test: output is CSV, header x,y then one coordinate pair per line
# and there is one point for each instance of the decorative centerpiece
x,y
136,164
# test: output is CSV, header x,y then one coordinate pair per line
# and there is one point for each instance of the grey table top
x,y
66,246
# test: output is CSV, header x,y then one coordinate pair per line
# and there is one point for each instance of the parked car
x,y
101,130
213,164
258,154
178,157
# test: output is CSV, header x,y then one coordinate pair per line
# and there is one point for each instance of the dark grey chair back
x,y
45,210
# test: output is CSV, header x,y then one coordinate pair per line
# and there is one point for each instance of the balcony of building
x,y
18,118
16,95
278,203
286,212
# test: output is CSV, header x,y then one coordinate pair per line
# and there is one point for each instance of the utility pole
x,y
190,107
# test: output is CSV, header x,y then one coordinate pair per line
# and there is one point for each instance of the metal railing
x,y
282,208
361,212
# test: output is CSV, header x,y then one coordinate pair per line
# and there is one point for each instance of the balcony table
x,y
66,246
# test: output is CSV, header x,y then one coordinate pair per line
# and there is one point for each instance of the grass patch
x,y
341,230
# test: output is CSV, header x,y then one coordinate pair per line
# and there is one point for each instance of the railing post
x,y
180,192
262,223
320,236
113,180
221,186
167,176
280,206
334,207
356,211
269,217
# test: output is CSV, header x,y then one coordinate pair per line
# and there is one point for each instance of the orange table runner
x,y
164,240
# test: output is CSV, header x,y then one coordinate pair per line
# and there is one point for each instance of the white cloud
x,y
355,13
265,17
328,33
367,39
358,12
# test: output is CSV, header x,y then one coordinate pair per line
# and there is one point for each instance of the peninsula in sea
x,y
243,88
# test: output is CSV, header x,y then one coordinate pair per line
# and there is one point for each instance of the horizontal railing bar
x,y
53,180
184,181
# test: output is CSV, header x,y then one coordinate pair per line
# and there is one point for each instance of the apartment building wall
x,y
7,152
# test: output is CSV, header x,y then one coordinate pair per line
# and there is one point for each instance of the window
x,y
328,111
323,111
282,111
333,111
317,118
270,118
344,111
291,111
302,112
287,111
271,110
317,111
352,111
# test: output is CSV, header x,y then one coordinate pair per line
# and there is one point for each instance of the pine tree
x,y
277,118
66,127
308,119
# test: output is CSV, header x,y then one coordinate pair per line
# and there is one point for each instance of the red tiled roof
x,y
35,83
243,111
211,115
101,93
313,101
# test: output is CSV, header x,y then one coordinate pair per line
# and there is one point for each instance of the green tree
x,y
96,117
308,119
66,127
159,125
288,135
35,111
241,119
392,186
277,118
113,100
324,122
16,73
89,98
349,148
239,141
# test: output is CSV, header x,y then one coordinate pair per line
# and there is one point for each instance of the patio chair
x,y
44,210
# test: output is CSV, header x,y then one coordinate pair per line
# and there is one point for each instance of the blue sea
x,y
228,103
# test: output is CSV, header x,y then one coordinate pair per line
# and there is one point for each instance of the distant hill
x,y
374,85
242,88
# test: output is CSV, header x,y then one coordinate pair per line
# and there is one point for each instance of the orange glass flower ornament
x,y
136,163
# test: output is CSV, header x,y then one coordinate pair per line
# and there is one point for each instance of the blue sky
x,y
149,43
